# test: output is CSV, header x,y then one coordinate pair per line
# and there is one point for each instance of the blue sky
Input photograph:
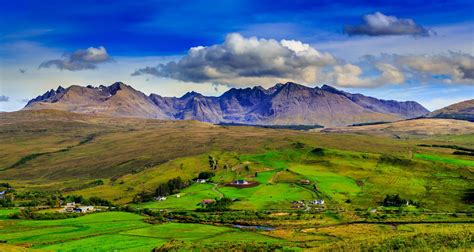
x,y
334,39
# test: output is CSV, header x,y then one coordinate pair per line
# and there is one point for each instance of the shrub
x,y
206,175
318,152
394,200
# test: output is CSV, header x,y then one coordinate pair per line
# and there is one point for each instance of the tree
x,y
206,175
212,163
394,200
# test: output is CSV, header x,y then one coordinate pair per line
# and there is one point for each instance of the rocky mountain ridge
x,y
282,104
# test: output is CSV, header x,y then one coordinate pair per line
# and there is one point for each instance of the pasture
x,y
113,231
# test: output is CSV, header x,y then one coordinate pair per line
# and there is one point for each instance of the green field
x,y
447,160
188,199
332,185
113,231
278,196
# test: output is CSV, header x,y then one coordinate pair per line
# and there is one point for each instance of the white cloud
x,y
241,61
378,24
453,67
349,75
80,59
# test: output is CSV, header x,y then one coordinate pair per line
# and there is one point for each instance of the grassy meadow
x,y
52,154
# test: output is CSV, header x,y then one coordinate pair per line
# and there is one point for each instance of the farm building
x,y
207,201
160,198
201,181
305,182
317,202
84,209
70,206
2,194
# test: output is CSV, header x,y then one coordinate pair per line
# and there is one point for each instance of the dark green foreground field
x,y
48,156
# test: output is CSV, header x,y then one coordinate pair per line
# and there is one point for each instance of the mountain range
x,y
282,104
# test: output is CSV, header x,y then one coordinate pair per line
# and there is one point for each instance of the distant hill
x,y
461,110
410,128
282,104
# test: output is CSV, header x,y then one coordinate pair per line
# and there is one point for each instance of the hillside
x,y
50,154
410,128
283,104
462,111
59,150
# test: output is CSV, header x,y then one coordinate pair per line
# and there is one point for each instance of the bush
x,y
206,175
394,200
318,152
29,214
394,160
171,187
218,205
6,202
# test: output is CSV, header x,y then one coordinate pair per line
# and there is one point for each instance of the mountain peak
x,y
60,89
331,89
293,85
190,95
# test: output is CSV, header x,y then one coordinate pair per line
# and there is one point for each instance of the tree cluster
x,y
171,187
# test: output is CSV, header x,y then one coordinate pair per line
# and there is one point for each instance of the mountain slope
x,y
462,111
117,100
282,104
407,109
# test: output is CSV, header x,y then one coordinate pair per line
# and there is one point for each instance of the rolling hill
x,y
412,128
462,111
57,150
282,104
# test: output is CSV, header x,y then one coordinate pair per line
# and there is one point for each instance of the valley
x,y
319,189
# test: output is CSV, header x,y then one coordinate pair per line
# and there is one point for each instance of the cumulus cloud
x,y
378,24
80,59
453,67
241,61
246,61
4,98
349,75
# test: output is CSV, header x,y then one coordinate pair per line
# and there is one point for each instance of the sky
x,y
408,50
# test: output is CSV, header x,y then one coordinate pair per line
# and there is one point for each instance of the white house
x,y
70,206
318,202
84,209
241,182
160,198
201,181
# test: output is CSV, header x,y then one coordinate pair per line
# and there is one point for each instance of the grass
x,y
271,196
46,232
188,200
5,212
447,160
331,184
111,242
131,155
113,231
180,231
